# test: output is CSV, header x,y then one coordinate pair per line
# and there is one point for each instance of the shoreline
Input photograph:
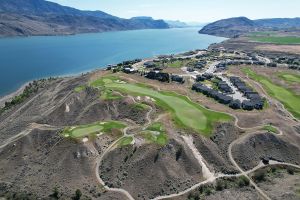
x,y
9,97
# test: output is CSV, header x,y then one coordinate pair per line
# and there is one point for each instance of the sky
x,y
191,10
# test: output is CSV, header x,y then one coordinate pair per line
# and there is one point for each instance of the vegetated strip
x,y
288,77
286,96
185,113
92,129
276,40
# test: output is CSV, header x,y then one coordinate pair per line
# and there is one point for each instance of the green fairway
x,y
287,97
92,129
107,94
276,39
271,129
290,78
125,141
184,112
156,133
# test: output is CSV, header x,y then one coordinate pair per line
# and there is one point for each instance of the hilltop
x,y
39,17
237,26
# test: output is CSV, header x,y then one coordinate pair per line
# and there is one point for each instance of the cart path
x,y
207,174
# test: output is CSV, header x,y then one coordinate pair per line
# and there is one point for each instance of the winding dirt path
x,y
98,162
27,131
240,169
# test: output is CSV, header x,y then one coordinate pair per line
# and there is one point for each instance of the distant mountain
x,y
39,17
279,23
229,27
234,27
176,24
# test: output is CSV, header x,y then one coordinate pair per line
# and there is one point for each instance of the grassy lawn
x,y
270,129
139,106
156,133
261,33
108,94
276,39
92,129
125,141
290,78
79,88
287,97
185,113
176,64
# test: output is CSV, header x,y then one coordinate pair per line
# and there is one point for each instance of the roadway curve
x,y
99,160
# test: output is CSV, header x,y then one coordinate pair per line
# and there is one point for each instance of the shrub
x,y
243,181
55,193
259,176
290,171
78,195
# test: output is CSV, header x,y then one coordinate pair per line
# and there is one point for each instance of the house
x,y
224,99
129,70
208,76
160,76
224,87
177,78
235,104
200,78
190,69
149,64
247,105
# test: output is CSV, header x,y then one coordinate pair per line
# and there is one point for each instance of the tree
x,y
78,195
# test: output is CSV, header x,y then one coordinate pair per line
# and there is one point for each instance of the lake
x,y
26,59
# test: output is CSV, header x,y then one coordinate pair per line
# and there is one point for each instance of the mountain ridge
x,y
236,26
39,17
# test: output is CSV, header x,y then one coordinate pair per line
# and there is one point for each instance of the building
x,y
149,64
248,105
200,78
160,76
224,87
177,78
235,104
208,76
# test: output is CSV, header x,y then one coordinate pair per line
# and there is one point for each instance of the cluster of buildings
x,y
164,77
254,101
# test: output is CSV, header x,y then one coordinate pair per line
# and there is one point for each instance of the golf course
x,y
91,130
290,78
275,39
286,96
156,133
184,112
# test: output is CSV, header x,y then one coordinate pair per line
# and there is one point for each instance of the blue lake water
x,y
26,59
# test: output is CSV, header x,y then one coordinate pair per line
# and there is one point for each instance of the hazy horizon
x,y
190,10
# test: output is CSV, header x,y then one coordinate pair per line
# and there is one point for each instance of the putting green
x,y
286,96
156,133
92,129
125,141
184,112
